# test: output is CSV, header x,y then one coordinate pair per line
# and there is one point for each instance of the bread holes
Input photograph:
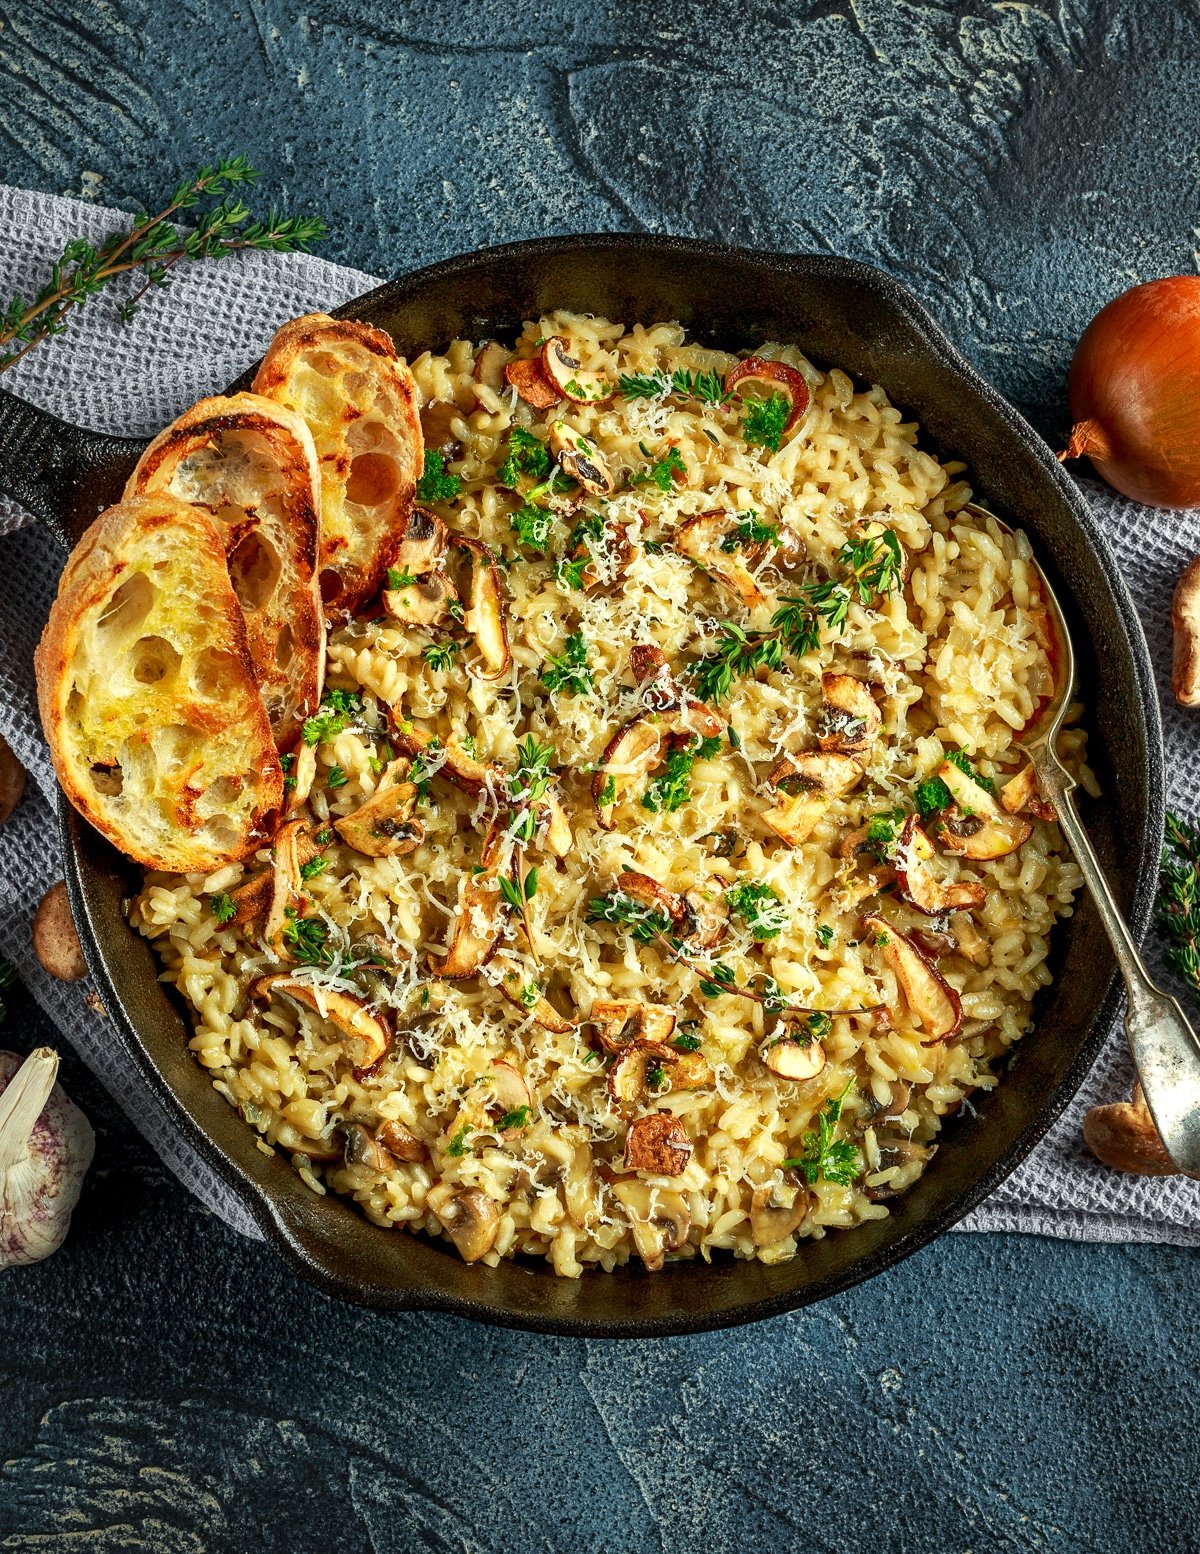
x,y
220,832
127,609
373,480
108,780
211,672
254,569
285,646
155,661
331,586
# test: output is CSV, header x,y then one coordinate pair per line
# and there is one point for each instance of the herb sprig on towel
x,y
1177,908
150,249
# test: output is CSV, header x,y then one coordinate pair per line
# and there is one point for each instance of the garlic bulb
x,y
46,1146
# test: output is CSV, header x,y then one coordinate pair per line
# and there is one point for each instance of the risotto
x,y
663,867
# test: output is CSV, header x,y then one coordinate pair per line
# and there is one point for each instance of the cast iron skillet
x,y
840,313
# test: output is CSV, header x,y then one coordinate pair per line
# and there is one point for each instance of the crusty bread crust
x,y
361,405
252,464
147,693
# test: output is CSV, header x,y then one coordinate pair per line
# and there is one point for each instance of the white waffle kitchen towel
x,y
198,336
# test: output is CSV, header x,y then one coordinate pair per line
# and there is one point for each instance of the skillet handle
x,y
63,474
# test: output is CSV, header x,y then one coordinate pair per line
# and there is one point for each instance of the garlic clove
x,y
46,1146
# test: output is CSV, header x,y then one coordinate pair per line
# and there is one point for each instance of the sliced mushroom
x,y
580,460
422,544
293,848
690,1071
490,362
650,894
657,1144
917,882
12,781
895,1152
361,1147
484,617
531,383
621,1024
792,1059
350,1014
975,826
936,1005
402,1143
777,1211
1124,1137
627,1083
482,910
851,719
55,939
510,1094
658,1219
563,372
810,782
969,941
425,602
630,755
899,1095
1022,792
705,919
772,377
701,540
469,1217
384,827
517,985
304,770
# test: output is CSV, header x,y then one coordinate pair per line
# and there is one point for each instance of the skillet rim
x,y
257,1199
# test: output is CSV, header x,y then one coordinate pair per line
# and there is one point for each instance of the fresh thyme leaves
x,y
435,485
441,655
672,790
765,420
759,907
527,787
663,472
337,711
707,387
222,907
569,673
306,938
151,248
749,531
517,893
1177,908
869,568
825,1156
643,923
524,455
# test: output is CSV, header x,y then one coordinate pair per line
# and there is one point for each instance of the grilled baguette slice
x,y
360,402
252,464
147,693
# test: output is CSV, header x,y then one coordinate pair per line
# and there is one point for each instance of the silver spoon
x,y
1164,1046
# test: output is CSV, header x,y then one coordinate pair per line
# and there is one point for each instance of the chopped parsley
x,y
222,906
531,525
398,579
514,1119
672,790
323,837
525,455
457,1146
686,1043
931,796
435,485
759,907
441,655
314,866
608,791
765,420
962,760
656,1076
569,673
664,472
337,711
825,1156
882,830
749,531
286,763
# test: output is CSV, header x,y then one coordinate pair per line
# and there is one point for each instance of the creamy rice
x,y
955,661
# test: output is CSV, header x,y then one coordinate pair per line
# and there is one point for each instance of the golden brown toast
x,y
147,692
360,402
252,464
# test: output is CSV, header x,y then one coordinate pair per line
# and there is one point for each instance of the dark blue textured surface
x,y
164,1385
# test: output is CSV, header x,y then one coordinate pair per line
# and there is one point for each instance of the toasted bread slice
x,y
147,693
360,402
252,463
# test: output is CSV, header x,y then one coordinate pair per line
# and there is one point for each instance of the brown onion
x,y
1134,392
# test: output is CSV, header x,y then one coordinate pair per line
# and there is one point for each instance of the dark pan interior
x,y
839,313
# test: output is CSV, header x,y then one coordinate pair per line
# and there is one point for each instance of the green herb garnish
x,y
398,579
435,485
517,1118
765,420
313,867
441,655
824,1155
222,906
306,938
457,1146
749,531
335,777
569,672
662,473
824,935
524,455
337,711
672,790
759,907
707,387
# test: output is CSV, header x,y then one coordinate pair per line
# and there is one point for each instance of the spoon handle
x,y
1164,1046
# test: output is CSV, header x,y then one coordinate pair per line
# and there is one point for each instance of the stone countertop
x,y
164,1384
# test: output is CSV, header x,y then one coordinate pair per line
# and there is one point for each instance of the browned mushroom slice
x,y
482,909
809,782
765,376
851,719
649,666
654,897
424,602
580,460
402,1143
680,715
917,882
293,848
969,941
791,1059
422,545
1022,792
930,997
690,1071
350,1014
384,827
484,618
975,826
627,1084
362,1147
701,539
531,383
304,770
490,362
251,899
895,1152
777,1211
705,919
562,370
518,986
469,1217
510,1096
1122,1135
630,755
624,1023
12,781
659,1220
657,1144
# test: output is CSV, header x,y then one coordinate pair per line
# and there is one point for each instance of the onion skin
x,y
1134,393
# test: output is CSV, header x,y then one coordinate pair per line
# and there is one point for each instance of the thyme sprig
x,y
1177,908
152,247
869,568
